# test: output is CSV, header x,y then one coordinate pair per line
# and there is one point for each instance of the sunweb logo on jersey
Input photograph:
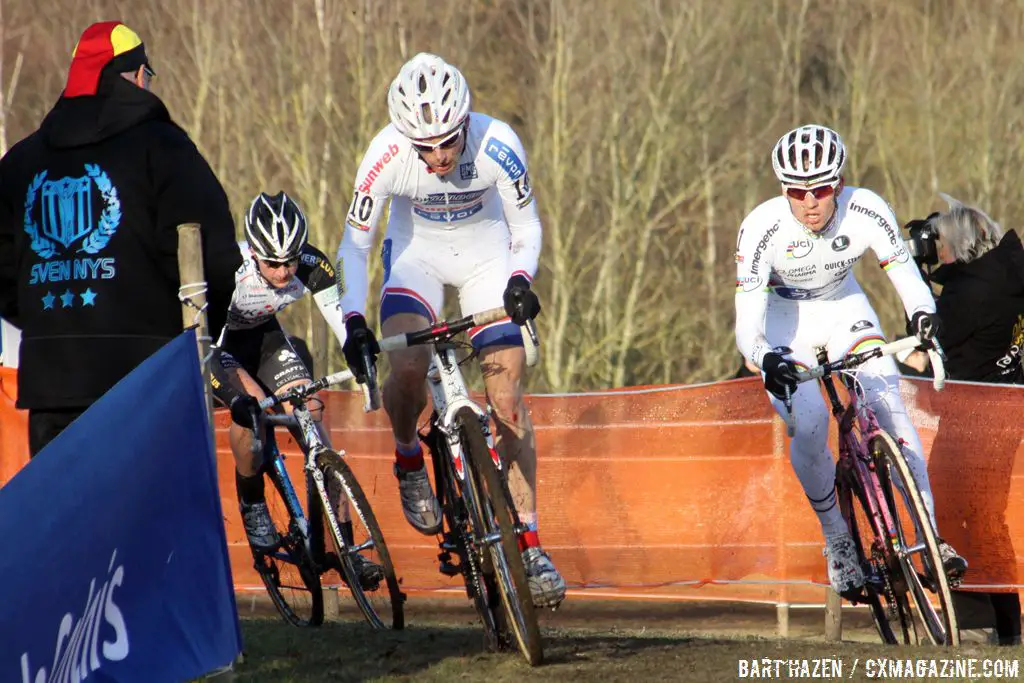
x,y
71,216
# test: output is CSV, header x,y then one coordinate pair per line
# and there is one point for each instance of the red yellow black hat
x,y
105,43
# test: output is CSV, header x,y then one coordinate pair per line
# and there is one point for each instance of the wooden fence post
x,y
193,286
193,292
833,615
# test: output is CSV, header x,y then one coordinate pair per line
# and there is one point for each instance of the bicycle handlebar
x,y
445,330
293,395
853,360
306,390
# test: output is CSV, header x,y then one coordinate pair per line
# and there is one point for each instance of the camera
x,y
921,244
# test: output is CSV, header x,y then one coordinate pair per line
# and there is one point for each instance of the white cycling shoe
x,y
844,570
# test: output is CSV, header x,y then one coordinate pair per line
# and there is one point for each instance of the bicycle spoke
x,y
362,560
497,515
288,573
918,550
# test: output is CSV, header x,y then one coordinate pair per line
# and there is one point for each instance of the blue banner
x,y
114,563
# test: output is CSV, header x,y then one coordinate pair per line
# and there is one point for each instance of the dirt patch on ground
x,y
584,641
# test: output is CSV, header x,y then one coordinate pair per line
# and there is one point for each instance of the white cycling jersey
x,y
487,194
780,263
255,301
795,292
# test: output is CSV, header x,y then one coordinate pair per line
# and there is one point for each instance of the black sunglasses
x,y
281,264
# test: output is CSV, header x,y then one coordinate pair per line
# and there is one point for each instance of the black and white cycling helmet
x,y
275,227
809,155
428,98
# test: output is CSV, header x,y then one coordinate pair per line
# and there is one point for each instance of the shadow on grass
x,y
349,651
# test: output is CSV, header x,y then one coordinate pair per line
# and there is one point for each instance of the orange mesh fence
x,y
675,492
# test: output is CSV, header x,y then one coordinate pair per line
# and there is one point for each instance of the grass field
x,y
583,642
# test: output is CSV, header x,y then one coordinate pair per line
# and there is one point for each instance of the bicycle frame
x,y
449,394
854,458
312,438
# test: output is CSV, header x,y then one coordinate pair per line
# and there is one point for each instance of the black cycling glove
x,y
779,374
521,303
243,408
925,325
358,338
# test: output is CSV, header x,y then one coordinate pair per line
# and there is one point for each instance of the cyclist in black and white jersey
x,y
255,356
795,290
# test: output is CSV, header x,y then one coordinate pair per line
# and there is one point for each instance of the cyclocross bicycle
x,y
481,526
291,571
882,504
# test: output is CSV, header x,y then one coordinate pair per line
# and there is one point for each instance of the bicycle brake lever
x,y
257,443
789,419
371,392
531,328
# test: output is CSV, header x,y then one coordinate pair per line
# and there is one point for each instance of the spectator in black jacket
x,y
981,304
89,206
981,307
982,300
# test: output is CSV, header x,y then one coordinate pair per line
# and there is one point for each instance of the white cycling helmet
x,y
428,98
809,155
275,227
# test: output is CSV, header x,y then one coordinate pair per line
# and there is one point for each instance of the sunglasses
x,y
447,143
821,192
148,70
274,265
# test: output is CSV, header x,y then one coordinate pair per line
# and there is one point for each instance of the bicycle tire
x,y
300,605
876,558
333,466
480,587
510,573
942,629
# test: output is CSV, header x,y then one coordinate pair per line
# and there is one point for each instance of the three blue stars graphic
x,y
67,299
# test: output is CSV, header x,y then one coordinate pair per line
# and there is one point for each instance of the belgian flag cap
x,y
102,45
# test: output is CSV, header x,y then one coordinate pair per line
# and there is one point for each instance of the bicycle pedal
x,y
854,596
449,569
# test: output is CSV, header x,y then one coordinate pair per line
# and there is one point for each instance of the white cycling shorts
x,y
474,260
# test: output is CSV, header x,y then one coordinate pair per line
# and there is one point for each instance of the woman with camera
x,y
981,306
982,300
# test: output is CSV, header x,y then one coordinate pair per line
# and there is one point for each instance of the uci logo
x,y
799,248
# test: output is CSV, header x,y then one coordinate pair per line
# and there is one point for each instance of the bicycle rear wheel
x,y
380,600
916,545
890,610
501,539
289,573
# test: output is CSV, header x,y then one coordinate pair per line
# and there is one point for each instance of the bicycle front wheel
x,y
457,537
916,544
289,573
376,593
890,610
504,551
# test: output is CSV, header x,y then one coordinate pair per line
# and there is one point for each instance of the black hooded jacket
x,y
982,311
89,206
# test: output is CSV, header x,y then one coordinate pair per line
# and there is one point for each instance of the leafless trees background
x,y
648,126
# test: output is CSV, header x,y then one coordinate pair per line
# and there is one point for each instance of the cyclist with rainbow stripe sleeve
x,y
795,290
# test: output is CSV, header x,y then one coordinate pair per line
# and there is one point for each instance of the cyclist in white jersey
x,y
795,290
254,356
461,214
